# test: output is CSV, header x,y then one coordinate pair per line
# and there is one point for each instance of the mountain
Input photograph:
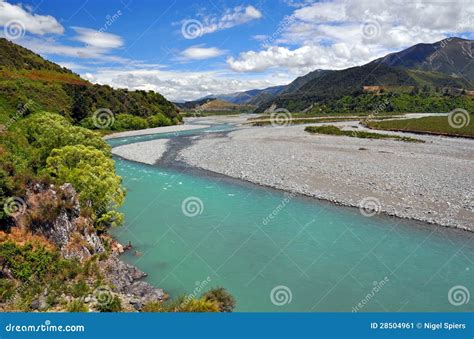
x,y
28,80
214,105
449,56
444,64
251,97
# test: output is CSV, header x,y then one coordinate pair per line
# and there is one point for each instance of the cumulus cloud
x,y
200,53
339,34
183,85
232,17
95,45
33,23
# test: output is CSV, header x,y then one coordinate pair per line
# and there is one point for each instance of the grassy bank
x,y
265,121
334,130
428,125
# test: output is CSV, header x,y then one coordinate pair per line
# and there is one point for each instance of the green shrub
x,y
80,289
112,305
7,290
125,122
77,306
159,120
182,304
221,297
25,262
153,306
91,173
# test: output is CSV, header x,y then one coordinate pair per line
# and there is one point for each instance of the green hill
x,y
29,83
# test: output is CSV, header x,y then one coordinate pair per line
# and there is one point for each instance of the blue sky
x,y
188,49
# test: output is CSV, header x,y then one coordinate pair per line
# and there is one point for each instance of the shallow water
x,y
313,255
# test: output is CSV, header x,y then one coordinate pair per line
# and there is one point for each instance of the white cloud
x,y
339,34
97,39
96,45
232,17
32,23
200,53
184,85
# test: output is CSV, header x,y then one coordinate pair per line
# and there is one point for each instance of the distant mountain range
x,y
445,64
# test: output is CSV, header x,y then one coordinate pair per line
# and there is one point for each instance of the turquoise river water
x,y
277,252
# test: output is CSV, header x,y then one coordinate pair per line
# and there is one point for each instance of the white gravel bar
x,y
431,182
166,129
147,152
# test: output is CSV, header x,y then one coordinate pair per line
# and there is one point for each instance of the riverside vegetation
x,y
60,194
334,130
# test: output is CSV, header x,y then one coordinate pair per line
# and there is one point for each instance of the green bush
x,y
159,120
25,262
91,173
125,122
7,290
221,297
77,306
47,131
80,289
112,305
183,304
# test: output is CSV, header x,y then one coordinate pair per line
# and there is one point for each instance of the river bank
x,y
149,131
426,182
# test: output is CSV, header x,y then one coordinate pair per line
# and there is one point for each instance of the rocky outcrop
x,y
127,281
55,213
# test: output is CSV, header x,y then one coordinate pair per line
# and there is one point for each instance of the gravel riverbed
x,y
148,152
431,182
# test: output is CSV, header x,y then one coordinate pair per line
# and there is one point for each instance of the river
x,y
276,252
